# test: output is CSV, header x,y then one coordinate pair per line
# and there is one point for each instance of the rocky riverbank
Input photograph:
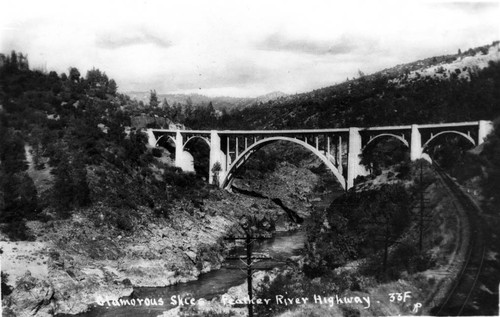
x,y
82,259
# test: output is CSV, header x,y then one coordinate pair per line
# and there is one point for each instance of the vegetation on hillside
x,y
359,242
78,128
359,224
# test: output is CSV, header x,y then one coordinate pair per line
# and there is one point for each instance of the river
x,y
209,285
212,284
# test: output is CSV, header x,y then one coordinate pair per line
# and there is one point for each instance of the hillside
x,y
448,88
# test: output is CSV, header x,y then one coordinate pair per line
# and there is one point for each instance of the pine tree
x,y
81,189
165,103
153,99
19,197
63,186
12,153
112,87
74,74
216,170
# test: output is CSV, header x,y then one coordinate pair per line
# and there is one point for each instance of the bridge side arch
x,y
466,136
245,155
162,136
207,141
398,137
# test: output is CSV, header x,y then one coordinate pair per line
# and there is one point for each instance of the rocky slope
x,y
288,185
297,182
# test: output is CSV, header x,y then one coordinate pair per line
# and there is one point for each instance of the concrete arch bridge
x,y
339,148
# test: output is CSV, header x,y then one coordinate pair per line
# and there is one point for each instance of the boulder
x,y
32,297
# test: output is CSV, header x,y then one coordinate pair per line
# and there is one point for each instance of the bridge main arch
x,y
245,155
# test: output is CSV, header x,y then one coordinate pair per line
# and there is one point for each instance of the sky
x,y
239,48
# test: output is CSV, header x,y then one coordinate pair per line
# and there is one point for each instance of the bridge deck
x,y
322,131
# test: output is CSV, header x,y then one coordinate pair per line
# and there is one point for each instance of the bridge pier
x,y
415,143
183,159
485,128
354,167
216,156
151,138
339,155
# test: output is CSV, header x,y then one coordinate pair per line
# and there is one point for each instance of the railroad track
x,y
459,301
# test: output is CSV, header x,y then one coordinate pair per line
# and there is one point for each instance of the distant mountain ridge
x,y
460,65
218,102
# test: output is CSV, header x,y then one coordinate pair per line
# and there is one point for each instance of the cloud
x,y
344,44
233,72
245,48
471,7
115,40
278,42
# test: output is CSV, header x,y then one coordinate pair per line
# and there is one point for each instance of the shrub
x,y
157,152
403,171
6,289
350,312
284,284
163,209
17,230
405,258
124,223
